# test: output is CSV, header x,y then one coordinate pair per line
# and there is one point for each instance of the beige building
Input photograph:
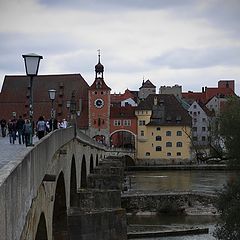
x,y
164,127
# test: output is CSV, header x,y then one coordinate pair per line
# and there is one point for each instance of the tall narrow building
x,y
99,106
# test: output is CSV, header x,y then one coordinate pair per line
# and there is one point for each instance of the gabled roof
x,y
147,84
168,108
99,83
207,94
117,98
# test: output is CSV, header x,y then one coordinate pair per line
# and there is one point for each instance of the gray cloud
x,y
198,58
116,4
13,45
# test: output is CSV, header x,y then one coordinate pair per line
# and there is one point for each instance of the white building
x,y
202,120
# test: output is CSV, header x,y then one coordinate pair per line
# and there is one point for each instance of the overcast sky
x,y
192,43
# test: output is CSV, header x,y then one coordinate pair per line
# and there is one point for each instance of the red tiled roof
x,y
116,98
122,112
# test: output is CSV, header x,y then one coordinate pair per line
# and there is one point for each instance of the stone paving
x,y
11,155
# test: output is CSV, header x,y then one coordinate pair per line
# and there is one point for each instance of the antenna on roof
x,y
143,80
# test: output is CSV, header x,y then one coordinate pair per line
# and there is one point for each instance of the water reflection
x,y
165,222
167,180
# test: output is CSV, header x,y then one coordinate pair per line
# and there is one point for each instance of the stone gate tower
x,y
99,106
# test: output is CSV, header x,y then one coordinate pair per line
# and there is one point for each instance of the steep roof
x,y
167,110
102,85
207,94
147,84
15,95
116,98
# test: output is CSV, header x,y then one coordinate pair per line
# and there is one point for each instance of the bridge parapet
x,y
19,185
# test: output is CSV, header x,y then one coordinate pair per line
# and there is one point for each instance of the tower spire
x,y
99,55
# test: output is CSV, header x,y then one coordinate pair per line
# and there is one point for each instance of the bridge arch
x,y
83,173
96,160
91,164
59,222
73,183
42,229
123,138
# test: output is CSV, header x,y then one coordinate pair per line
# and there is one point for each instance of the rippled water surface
x,y
167,181
162,181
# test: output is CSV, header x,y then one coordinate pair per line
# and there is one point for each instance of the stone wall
x,y
187,203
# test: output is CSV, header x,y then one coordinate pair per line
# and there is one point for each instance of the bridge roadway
x,y
11,155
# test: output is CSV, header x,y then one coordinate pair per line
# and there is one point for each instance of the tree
x,y
230,129
228,203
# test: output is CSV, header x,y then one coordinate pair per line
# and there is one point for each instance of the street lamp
x,y
31,61
52,96
73,111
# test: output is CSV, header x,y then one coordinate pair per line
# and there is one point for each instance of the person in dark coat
x,y
3,124
20,125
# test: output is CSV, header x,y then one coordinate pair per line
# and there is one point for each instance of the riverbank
x,y
169,214
178,167
175,203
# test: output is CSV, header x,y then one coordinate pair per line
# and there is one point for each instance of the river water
x,y
173,180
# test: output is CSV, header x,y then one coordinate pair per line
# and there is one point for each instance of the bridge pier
x,y
98,213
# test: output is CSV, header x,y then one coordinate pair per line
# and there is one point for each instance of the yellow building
x,y
164,127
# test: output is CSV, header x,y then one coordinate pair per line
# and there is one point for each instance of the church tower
x,y
99,106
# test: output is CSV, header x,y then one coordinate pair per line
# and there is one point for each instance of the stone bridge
x,y
66,187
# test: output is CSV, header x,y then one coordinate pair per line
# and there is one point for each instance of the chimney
x,y
202,89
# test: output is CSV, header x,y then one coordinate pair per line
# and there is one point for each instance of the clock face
x,y
99,103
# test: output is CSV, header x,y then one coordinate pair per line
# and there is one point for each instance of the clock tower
x,y
99,106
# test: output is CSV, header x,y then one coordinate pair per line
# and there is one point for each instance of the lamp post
x,y
52,96
31,61
73,111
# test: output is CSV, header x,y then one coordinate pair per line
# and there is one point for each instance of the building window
x,y
158,138
158,128
141,122
142,133
203,138
179,154
147,153
179,144
204,119
194,106
169,154
194,129
158,148
168,144
117,122
194,120
203,129
126,122
168,133
195,139
179,133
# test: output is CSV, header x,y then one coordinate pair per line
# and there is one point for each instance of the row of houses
x,y
161,127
